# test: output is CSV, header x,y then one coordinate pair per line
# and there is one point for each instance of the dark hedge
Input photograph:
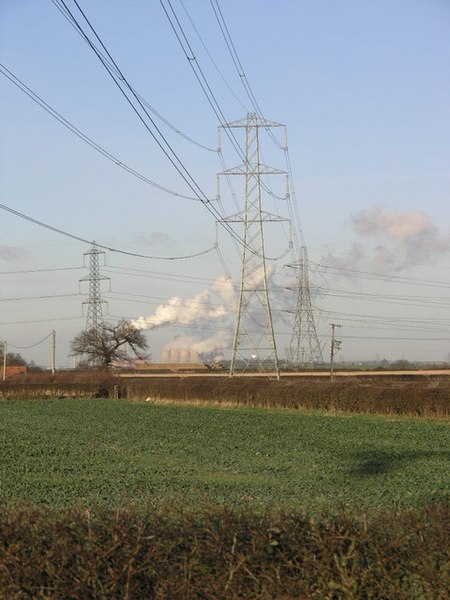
x,y
426,397
422,396
223,555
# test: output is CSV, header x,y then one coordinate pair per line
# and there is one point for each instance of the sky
x,y
363,90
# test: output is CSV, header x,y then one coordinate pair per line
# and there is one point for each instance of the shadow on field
x,y
381,462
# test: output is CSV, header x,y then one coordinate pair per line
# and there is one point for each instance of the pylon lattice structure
x,y
254,344
304,347
94,303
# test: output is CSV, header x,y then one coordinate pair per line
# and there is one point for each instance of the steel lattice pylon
x,y
304,348
254,344
94,314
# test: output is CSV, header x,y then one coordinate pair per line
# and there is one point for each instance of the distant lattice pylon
x,y
94,303
304,347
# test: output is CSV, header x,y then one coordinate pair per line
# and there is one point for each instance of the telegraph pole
x,y
335,346
53,352
5,352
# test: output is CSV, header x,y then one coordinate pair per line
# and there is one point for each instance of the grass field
x,y
64,453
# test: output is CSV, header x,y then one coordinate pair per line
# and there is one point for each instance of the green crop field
x,y
118,453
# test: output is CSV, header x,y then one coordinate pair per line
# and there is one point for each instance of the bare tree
x,y
100,347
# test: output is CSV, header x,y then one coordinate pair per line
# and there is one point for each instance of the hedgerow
x,y
426,397
161,554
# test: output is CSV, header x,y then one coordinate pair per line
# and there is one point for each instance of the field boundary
x,y
426,396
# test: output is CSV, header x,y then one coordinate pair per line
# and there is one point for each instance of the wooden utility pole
x,y
335,345
53,352
5,352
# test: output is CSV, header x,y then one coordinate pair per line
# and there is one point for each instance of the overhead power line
x,y
238,65
291,198
211,58
411,339
143,114
158,275
385,277
391,322
103,246
46,297
162,301
188,51
437,302
82,136
121,82
148,105
199,74
31,345
372,322
27,321
51,270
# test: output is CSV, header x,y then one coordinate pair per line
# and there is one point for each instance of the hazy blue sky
x,y
363,88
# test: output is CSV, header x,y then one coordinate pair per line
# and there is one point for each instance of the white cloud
x,y
400,226
156,238
402,240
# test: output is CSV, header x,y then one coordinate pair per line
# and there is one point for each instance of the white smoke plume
x,y
181,342
226,290
256,277
215,344
197,309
